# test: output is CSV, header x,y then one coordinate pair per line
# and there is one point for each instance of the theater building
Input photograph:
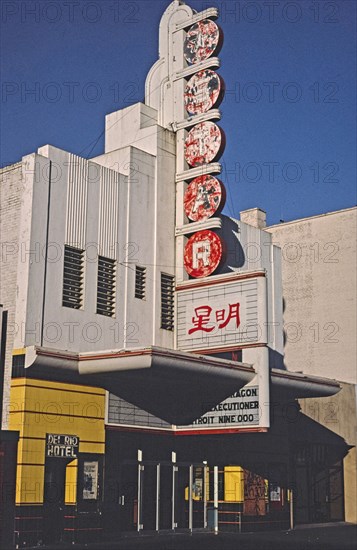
x,y
146,371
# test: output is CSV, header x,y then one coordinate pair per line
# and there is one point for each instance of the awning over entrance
x,y
287,385
176,386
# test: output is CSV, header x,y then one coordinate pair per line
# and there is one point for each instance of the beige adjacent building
x,y
319,290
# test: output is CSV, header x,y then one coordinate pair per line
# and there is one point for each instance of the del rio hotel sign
x,y
61,446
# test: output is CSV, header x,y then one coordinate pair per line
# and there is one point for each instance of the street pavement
x,y
340,536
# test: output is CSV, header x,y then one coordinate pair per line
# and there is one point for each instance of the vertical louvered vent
x,y
73,276
140,282
106,287
167,301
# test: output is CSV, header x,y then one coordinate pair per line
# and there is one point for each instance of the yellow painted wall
x,y
38,407
71,482
233,484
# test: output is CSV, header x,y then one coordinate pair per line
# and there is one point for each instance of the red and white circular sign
x,y
201,41
204,143
202,92
203,254
204,197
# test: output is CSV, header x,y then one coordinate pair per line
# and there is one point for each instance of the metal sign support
x,y
205,492
158,497
215,498
174,470
140,469
190,499
291,509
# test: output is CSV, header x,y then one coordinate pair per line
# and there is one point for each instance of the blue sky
x,y
289,113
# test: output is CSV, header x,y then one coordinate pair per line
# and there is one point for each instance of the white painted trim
x,y
212,223
212,168
211,13
211,62
226,278
192,120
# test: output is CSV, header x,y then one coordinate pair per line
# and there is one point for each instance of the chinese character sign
x,y
222,315
206,319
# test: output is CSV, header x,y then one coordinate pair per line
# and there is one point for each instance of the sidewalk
x,y
341,536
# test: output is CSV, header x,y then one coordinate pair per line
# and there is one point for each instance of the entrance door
x,y
336,492
157,496
128,497
54,499
321,507
328,494
149,497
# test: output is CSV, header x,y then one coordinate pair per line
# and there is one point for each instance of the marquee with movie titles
x,y
241,409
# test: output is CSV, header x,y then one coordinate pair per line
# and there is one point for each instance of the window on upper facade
x,y
106,287
18,366
140,282
73,277
167,301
